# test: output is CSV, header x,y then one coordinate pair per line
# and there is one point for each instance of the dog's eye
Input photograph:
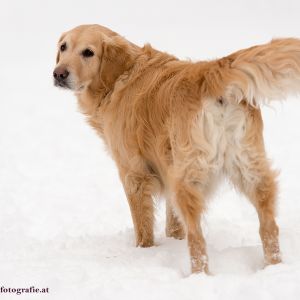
x,y
63,47
87,53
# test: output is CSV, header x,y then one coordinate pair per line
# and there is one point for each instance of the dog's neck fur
x,y
90,101
94,100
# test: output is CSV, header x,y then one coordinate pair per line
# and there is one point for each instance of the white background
x,y
64,220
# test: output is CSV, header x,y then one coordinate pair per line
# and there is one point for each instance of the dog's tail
x,y
257,75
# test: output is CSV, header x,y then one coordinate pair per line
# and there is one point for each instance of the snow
x,y
64,220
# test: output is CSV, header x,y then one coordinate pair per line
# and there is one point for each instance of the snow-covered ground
x,y
64,220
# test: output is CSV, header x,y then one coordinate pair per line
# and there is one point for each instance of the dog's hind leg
x,y
263,196
255,178
188,201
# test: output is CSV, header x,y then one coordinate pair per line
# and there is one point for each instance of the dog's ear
x,y
118,55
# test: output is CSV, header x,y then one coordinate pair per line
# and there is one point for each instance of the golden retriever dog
x,y
175,127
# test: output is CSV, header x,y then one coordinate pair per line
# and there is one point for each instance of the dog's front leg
x,y
174,228
139,188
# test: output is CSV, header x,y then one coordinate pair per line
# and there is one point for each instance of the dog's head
x,y
91,56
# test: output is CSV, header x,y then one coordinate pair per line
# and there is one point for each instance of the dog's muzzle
x,y
61,75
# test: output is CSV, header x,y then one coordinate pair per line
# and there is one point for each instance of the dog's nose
x,y
60,73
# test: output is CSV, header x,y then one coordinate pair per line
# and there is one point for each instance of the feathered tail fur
x,y
258,74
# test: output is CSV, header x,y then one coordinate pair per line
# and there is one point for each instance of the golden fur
x,y
174,127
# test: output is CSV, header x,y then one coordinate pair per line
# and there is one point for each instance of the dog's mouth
x,y
67,86
62,84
